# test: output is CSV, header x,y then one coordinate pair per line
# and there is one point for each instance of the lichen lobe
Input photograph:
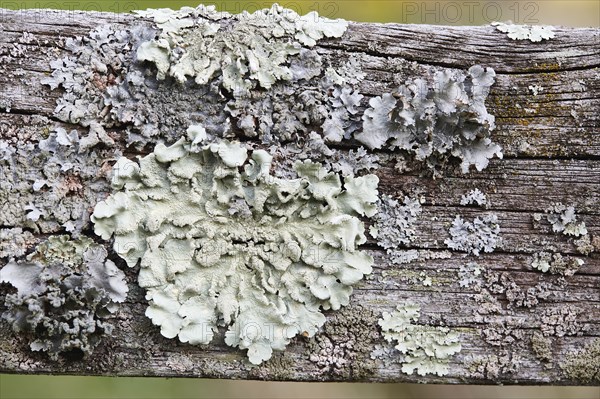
x,y
436,120
252,52
427,349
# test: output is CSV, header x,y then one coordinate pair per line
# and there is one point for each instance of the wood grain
x,y
551,144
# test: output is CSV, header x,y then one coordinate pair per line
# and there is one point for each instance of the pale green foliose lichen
x,y
252,52
222,242
252,74
426,348
436,120
66,289
564,220
555,263
534,33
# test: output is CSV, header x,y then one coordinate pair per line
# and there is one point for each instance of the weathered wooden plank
x,y
516,324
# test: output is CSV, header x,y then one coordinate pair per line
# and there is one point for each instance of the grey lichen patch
x,y
97,61
469,274
48,180
503,334
474,197
343,348
252,75
400,256
556,263
353,162
560,321
533,33
584,365
15,61
104,87
517,296
480,235
280,366
394,225
327,102
426,348
66,290
15,242
222,242
258,72
180,363
490,367
315,149
436,120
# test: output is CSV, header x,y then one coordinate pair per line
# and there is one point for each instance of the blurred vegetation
x,y
64,387
442,12
556,12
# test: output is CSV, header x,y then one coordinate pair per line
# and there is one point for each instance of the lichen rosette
x,y
222,242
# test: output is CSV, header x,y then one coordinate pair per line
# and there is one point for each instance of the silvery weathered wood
x,y
552,154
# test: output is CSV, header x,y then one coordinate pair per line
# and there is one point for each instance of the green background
x,y
444,12
555,12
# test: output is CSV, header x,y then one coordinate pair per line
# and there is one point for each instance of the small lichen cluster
x,y
504,334
474,197
426,348
480,235
560,321
534,33
469,274
65,291
394,225
563,220
587,244
516,296
224,243
436,120
490,367
556,263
